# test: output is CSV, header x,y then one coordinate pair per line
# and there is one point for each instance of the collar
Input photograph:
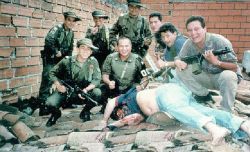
x,y
129,59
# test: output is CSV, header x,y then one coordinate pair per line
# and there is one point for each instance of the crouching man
x,y
72,77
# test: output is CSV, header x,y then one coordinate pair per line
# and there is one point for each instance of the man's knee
x,y
97,92
228,76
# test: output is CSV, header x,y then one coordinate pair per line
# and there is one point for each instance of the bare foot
x,y
218,135
245,126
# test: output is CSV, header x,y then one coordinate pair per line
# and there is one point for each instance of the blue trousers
x,y
179,103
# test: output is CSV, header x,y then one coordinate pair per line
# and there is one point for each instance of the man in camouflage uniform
x,y
81,70
58,44
122,71
99,35
133,26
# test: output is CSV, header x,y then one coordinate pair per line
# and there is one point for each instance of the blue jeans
x,y
179,103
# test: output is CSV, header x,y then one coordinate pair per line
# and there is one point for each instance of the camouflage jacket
x,y
82,74
126,73
136,29
58,39
100,39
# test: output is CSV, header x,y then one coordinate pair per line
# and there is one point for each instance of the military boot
x,y
85,115
55,114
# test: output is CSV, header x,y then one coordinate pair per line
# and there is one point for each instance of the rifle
x,y
199,57
72,87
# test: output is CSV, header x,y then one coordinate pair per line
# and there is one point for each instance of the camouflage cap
x,y
135,3
71,14
100,14
86,41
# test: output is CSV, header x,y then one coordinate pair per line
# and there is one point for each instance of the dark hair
x,y
123,38
114,115
196,18
156,14
164,28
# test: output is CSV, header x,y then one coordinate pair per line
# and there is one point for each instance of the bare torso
x,y
146,100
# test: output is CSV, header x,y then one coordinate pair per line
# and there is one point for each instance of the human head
x,y
99,17
167,34
119,112
85,47
196,29
155,21
134,7
124,46
69,19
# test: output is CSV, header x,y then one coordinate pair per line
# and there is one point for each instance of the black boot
x,y
85,115
55,114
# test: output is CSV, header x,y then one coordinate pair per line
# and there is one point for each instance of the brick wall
x,y
230,19
23,26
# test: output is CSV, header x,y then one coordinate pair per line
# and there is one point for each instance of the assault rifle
x,y
72,87
199,57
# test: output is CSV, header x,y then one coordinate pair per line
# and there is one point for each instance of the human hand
x,y
180,65
160,63
61,88
210,57
59,54
111,85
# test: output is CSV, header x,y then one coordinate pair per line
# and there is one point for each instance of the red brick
x,y
8,8
214,19
34,69
35,51
238,44
21,52
4,41
227,6
5,52
20,21
34,61
24,11
247,30
47,24
62,2
239,31
240,5
240,19
24,90
60,18
6,73
214,30
5,20
214,6
35,87
50,16
4,64
41,41
16,82
46,6
226,31
35,3
35,23
227,19
236,12
17,42
223,12
245,25
39,32
245,12
18,62
3,85
234,25
233,37
220,25
24,2
245,38
57,8
7,31
23,32
32,42
31,80
22,71
38,14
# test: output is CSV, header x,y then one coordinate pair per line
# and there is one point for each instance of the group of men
x,y
119,52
